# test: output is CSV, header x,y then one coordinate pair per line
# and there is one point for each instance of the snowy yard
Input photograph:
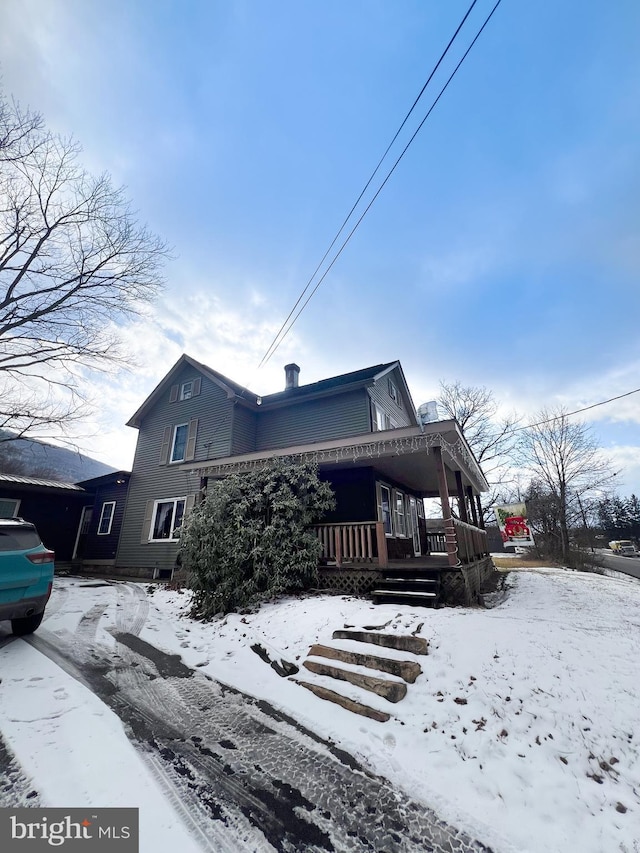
x,y
521,729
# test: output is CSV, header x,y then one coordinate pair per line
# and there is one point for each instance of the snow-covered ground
x,y
521,729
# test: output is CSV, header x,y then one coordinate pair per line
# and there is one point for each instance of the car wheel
x,y
26,625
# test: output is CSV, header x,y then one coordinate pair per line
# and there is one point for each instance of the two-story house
x,y
361,429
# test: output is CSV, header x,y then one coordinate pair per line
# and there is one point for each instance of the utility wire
x,y
274,345
577,411
268,353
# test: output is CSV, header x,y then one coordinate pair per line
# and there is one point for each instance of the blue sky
x,y
504,251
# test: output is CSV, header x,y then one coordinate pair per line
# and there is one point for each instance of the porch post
x,y
480,516
472,504
449,529
381,540
462,498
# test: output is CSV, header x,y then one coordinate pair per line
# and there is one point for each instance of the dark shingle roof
x,y
333,383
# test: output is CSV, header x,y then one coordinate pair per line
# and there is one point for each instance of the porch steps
x,y
417,587
354,669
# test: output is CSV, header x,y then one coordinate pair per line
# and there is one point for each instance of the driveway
x,y
234,767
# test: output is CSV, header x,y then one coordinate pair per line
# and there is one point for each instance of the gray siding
x,y
244,430
151,481
379,393
338,416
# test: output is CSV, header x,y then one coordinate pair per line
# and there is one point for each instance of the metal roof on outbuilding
x,y
44,484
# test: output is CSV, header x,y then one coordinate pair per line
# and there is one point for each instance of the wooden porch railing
x,y
357,542
471,541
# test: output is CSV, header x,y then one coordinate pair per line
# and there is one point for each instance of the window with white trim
x,y
393,393
9,507
381,421
179,444
399,511
186,390
385,509
106,518
167,517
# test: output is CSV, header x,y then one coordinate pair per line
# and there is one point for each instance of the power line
x,y
577,411
268,353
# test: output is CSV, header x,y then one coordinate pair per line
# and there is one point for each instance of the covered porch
x,y
398,469
380,479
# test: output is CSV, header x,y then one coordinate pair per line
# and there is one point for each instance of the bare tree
x,y
492,439
565,461
75,265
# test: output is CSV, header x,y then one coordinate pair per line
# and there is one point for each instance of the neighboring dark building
x,y
54,508
79,521
101,520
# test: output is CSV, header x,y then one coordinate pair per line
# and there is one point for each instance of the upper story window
x,y
381,420
179,442
393,393
106,518
185,390
179,446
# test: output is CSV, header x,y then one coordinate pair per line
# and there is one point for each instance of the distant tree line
x,y
619,518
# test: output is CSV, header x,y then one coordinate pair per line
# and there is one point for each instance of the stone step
x,y
416,645
392,691
405,669
349,704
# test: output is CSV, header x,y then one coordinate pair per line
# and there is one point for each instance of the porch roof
x,y
401,454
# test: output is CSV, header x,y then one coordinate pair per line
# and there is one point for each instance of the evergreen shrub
x,y
250,538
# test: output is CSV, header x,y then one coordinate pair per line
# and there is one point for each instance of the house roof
x,y
15,480
335,384
232,388
93,482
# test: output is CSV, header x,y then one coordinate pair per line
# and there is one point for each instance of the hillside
x,y
38,459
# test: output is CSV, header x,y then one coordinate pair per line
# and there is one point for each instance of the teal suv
x,y
26,575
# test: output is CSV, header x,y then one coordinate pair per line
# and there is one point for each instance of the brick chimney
x,y
291,372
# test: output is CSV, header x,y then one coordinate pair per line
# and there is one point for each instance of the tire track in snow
x,y
16,788
246,773
132,614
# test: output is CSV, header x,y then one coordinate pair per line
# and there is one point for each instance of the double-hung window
x,y
385,509
179,442
186,390
179,445
382,420
401,521
167,517
106,518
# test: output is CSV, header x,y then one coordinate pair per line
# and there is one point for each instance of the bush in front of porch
x,y
249,539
